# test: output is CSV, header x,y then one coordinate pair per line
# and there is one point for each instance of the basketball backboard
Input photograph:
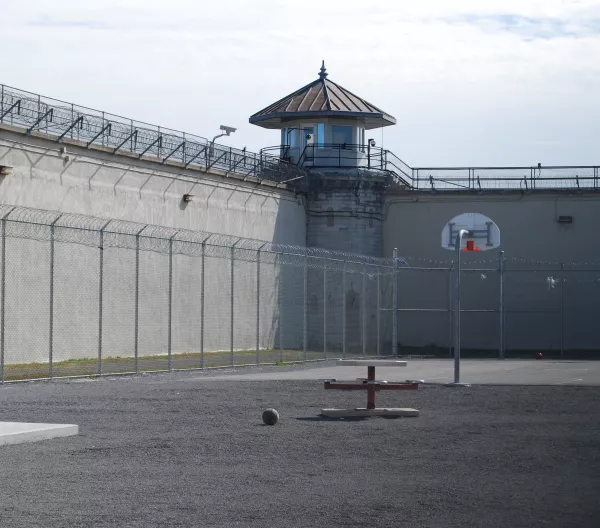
x,y
483,233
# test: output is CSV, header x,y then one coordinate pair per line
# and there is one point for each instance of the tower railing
x,y
577,178
525,179
61,121
333,155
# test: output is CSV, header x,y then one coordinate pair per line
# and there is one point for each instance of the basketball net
x,y
471,246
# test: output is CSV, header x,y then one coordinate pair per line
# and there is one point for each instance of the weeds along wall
x,y
125,297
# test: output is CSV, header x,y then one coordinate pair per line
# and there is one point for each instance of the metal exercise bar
x,y
370,385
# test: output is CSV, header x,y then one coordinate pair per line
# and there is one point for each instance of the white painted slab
x,y
371,363
21,432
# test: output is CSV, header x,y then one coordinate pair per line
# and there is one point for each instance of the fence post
x,y
137,301
202,303
450,310
280,302
2,297
364,310
378,310
51,307
344,311
231,301
170,321
395,304
305,303
131,135
258,306
100,293
501,351
562,310
325,308
3,294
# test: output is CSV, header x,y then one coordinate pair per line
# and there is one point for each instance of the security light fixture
x,y
188,197
227,129
5,170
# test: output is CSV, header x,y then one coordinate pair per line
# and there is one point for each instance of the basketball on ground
x,y
270,417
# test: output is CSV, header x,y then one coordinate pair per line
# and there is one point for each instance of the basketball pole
x,y
457,383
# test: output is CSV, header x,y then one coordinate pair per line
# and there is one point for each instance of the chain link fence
x,y
510,307
83,296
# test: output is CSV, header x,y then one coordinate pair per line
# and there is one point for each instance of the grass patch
x,y
114,364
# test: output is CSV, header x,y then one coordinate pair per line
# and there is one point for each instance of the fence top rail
x,y
508,167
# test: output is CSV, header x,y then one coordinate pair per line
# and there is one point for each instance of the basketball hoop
x,y
480,229
467,227
471,246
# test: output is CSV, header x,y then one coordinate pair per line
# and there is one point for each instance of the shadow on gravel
x,y
328,419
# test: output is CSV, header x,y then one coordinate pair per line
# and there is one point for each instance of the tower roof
x,y
321,98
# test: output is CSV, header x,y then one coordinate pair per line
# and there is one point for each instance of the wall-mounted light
x,y
5,170
188,197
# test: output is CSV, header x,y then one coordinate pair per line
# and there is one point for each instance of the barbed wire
x,y
59,120
40,224
23,222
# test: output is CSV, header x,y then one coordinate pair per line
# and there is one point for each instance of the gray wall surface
x,y
356,221
99,183
551,278
528,224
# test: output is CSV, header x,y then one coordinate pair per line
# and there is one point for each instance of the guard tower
x,y
325,130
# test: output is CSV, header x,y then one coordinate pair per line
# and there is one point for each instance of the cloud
x,y
500,81
53,22
532,28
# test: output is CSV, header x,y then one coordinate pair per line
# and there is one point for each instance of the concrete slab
x,y
21,432
362,412
371,363
437,371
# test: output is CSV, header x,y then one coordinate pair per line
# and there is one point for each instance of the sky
x,y
470,82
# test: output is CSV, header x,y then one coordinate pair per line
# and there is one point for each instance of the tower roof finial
x,y
323,73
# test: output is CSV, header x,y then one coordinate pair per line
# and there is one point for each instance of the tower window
x,y
330,217
342,135
320,134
